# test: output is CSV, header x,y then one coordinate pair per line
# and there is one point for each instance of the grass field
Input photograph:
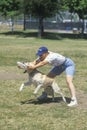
x,y
21,111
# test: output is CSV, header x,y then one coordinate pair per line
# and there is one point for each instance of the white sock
x,y
73,98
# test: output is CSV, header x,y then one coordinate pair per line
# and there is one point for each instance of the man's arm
x,y
41,63
36,61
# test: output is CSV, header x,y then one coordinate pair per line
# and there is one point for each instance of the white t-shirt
x,y
55,59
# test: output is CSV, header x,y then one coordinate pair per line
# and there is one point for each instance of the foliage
x,y
76,6
42,9
9,7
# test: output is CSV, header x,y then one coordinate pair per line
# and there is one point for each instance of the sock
x,y
73,98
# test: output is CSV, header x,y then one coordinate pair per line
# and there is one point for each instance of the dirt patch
x,y
11,76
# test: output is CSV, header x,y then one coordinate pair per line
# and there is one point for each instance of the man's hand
x,y
31,67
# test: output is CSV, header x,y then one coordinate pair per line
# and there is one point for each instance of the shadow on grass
x,y
46,35
23,34
46,101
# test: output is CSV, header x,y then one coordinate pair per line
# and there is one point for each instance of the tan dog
x,y
40,80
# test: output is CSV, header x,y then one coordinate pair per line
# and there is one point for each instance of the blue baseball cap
x,y
41,51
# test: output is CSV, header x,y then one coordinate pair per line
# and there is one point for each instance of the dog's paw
x,y
35,95
21,88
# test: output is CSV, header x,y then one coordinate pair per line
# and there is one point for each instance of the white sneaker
x,y
43,96
72,103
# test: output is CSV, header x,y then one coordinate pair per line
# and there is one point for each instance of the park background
x,y
21,110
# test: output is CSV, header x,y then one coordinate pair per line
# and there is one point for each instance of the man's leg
x,y
72,91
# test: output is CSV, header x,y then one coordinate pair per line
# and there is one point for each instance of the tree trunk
x,y
12,24
71,21
24,26
83,27
41,28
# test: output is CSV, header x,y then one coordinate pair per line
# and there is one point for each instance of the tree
x,y
24,10
81,10
10,8
42,9
77,6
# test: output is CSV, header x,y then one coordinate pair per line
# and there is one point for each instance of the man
x,y
60,64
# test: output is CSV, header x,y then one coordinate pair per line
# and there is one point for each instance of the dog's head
x,y
25,66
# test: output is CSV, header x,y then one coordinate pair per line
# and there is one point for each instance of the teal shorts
x,y
68,66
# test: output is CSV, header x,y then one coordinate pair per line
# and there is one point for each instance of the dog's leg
x,y
57,90
37,88
49,91
23,85
53,95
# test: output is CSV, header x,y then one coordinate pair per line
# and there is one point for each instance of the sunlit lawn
x,y
21,111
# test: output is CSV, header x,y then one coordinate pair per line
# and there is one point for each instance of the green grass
x,y
21,111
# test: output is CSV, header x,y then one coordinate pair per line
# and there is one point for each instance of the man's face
x,y
43,56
